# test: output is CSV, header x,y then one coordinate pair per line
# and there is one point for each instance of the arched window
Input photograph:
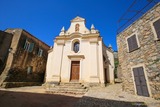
x,y
76,47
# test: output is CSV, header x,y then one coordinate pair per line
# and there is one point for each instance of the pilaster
x,y
57,60
94,76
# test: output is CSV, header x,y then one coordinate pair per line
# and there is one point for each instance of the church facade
x,y
79,55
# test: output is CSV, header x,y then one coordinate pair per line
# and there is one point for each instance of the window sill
x,y
157,39
75,52
133,50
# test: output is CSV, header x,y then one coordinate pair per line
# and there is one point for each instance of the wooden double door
x,y
75,68
140,81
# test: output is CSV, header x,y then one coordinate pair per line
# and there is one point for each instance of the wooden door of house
x,y
140,81
75,67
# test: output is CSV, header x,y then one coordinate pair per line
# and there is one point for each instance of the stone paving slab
x,y
96,102
115,93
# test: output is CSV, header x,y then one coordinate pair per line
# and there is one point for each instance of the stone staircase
x,y
67,88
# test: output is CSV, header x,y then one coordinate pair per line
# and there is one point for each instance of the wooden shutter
x,y
29,70
25,44
31,47
40,52
132,43
156,25
129,44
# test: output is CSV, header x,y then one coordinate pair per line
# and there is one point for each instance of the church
x,y
79,55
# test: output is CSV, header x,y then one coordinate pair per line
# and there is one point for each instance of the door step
x,y
67,88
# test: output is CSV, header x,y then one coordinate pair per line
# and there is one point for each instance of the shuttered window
x,y
29,70
132,43
156,25
40,52
28,46
31,47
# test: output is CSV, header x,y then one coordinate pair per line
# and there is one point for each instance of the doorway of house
x,y
140,81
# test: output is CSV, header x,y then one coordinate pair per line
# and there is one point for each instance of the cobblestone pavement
x,y
113,96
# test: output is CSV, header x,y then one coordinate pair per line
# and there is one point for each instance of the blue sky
x,y
45,18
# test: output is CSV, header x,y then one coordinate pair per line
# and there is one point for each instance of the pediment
x,y
78,19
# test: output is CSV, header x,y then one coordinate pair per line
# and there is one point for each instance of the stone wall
x,y
23,59
148,53
5,42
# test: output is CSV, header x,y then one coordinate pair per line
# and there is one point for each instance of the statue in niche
x,y
77,27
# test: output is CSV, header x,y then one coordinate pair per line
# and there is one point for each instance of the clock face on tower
x,y
77,27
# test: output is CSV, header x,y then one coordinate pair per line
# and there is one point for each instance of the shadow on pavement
x,y
95,102
23,99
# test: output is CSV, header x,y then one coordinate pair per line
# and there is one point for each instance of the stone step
x,y
72,87
71,84
65,92
71,91
67,89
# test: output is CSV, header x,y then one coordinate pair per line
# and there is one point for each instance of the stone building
x,y
79,55
26,58
5,42
139,55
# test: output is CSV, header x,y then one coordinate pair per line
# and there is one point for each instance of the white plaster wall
x,y
101,66
84,63
111,66
82,28
65,74
91,66
49,67
54,63
94,72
